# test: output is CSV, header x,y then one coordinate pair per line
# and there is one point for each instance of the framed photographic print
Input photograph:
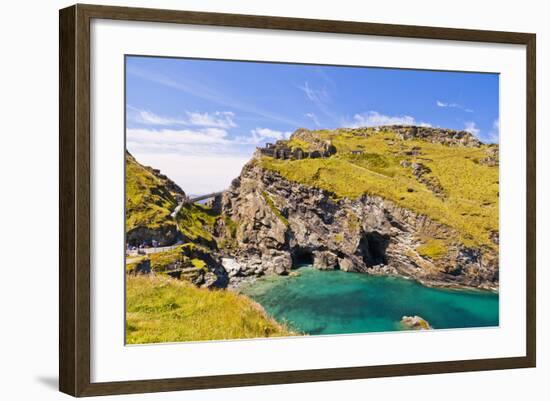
x,y
250,200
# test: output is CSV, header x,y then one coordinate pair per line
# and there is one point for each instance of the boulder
x,y
325,260
346,264
281,264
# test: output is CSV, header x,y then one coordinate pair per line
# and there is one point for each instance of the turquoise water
x,y
336,302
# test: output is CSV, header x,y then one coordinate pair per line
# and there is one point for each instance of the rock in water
x,y
415,323
325,260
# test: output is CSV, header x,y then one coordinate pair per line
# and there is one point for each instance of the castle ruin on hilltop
x,y
280,150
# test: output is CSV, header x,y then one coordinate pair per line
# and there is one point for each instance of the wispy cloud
x,y
471,127
453,105
320,98
205,92
373,118
317,96
219,119
313,118
149,118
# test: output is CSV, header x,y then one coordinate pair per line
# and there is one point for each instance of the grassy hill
x,y
149,202
161,309
450,184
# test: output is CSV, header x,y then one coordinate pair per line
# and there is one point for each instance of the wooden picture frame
x,y
74,199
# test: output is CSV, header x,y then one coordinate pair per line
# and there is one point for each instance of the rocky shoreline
x,y
237,281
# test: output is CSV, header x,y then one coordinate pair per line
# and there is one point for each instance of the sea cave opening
x,y
374,246
302,256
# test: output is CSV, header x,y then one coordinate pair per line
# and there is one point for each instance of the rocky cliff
x,y
283,224
283,221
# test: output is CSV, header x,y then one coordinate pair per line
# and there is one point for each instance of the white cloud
x,y
170,137
261,135
470,126
373,118
221,119
439,103
196,175
494,134
200,161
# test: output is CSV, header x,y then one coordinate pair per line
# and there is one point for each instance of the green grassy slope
x,y
196,222
148,201
161,309
469,202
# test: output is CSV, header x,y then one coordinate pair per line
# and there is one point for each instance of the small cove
x,y
336,302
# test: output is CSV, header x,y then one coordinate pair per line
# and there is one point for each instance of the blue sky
x,y
199,121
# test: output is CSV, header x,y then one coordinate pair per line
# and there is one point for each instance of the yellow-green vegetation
x,y
470,204
196,222
160,261
298,143
433,249
131,263
160,309
148,202
166,260
274,209
229,240
198,263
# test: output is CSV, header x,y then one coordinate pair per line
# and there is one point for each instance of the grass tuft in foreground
x,y
161,309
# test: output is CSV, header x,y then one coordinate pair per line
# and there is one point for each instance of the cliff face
x,y
283,223
412,201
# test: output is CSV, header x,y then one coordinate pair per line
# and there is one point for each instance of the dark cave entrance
x,y
374,246
302,256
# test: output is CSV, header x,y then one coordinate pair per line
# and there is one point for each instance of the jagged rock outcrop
x,y
283,224
213,275
436,135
